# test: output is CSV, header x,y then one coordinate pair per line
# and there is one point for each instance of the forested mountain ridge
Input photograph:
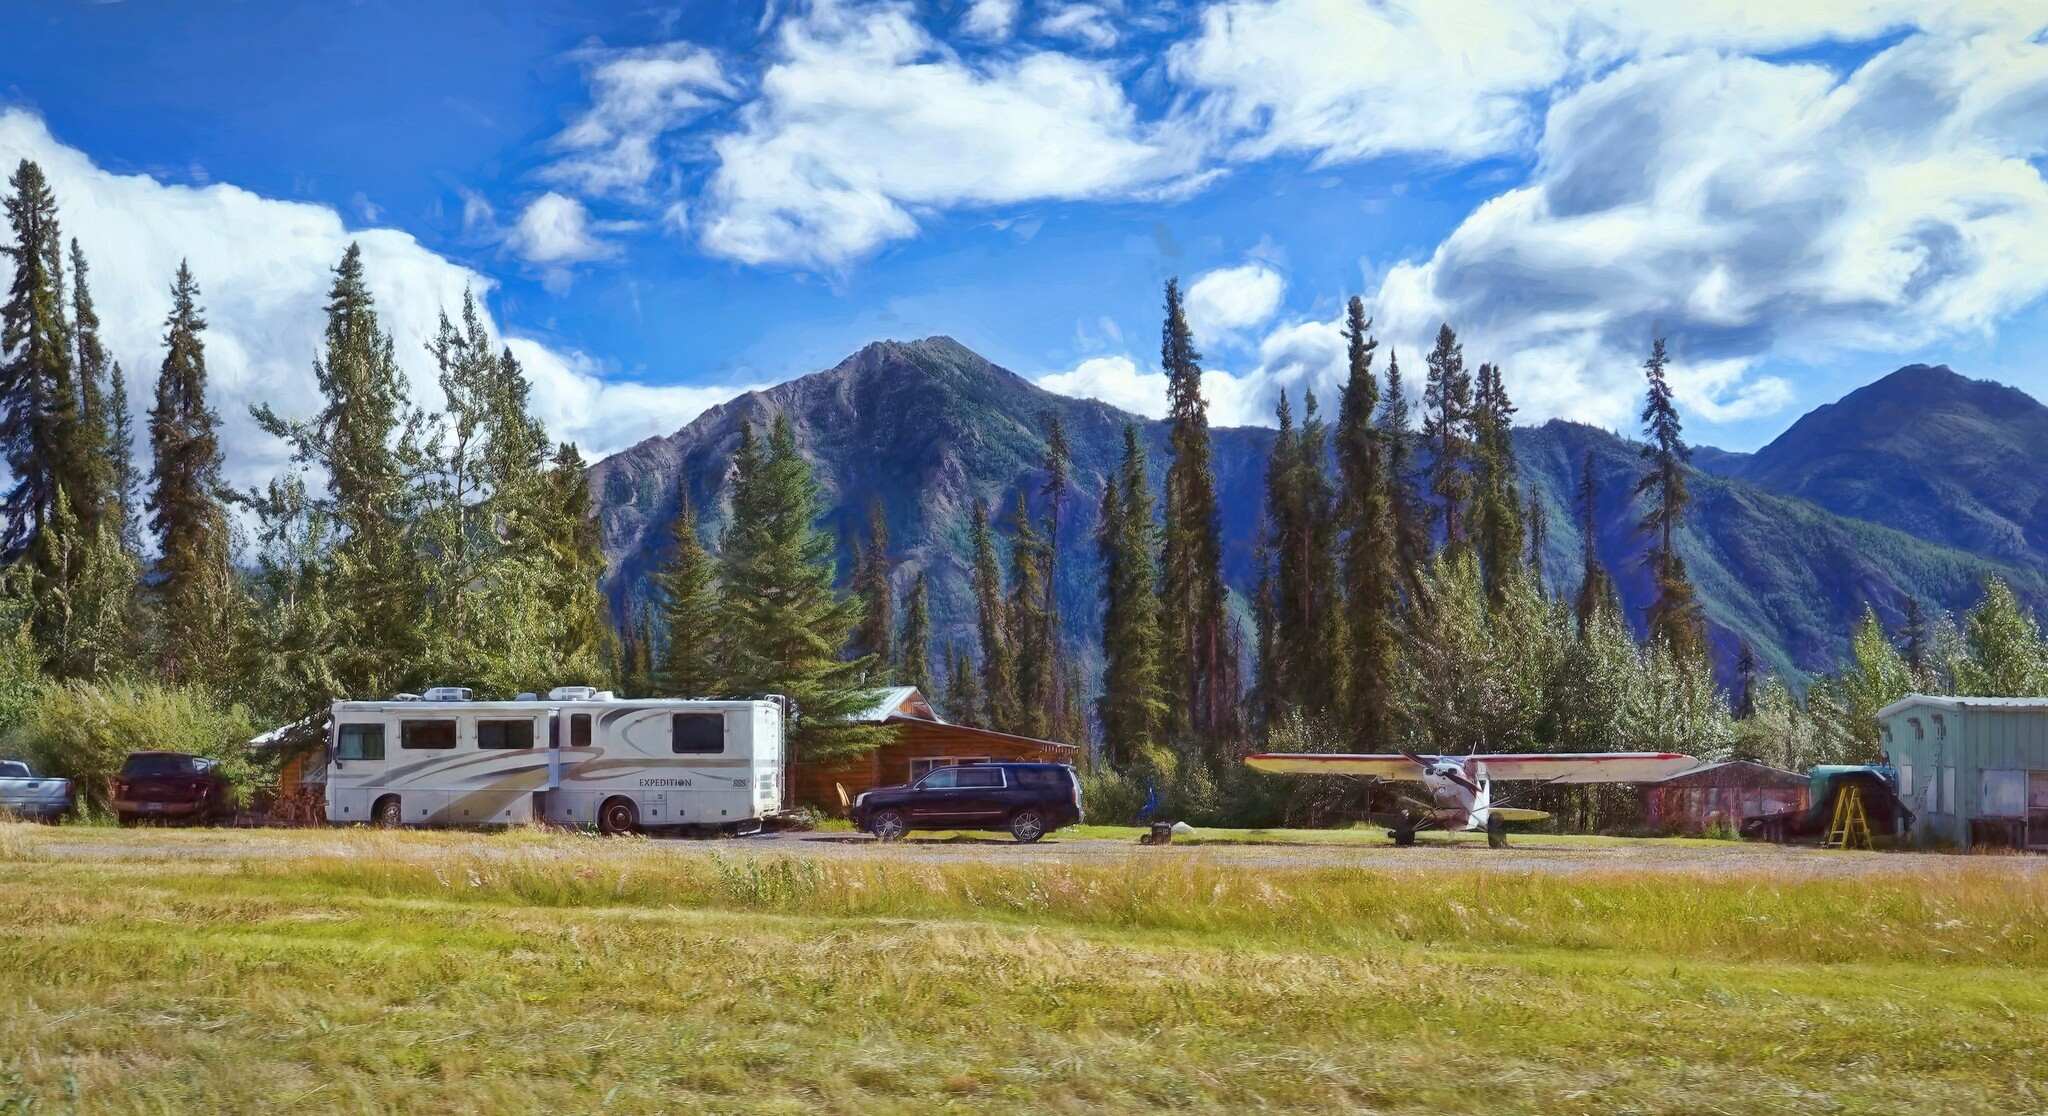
x,y
928,426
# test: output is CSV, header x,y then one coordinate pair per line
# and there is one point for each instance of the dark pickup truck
x,y
1029,800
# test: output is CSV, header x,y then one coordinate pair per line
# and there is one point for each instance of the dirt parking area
x,y
1528,854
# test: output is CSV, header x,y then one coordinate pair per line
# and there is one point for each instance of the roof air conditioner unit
x,y
449,693
573,693
405,697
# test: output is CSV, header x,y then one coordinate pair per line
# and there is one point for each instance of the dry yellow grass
x,y
526,972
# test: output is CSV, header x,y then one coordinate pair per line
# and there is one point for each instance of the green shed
x,y
1974,769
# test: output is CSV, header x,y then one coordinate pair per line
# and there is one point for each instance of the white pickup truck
x,y
24,794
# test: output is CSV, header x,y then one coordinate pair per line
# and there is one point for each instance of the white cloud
x,y
990,19
1118,381
1461,79
1743,209
264,267
1087,24
864,122
556,229
637,95
1228,300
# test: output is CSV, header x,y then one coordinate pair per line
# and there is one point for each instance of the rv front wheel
x,y
386,813
619,816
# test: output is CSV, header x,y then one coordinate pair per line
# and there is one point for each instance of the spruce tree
x,y
39,401
875,637
1914,637
121,447
94,487
1034,663
193,577
1058,480
1674,616
998,671
576,640
690,652
1496,515
1371,542
1446,426
1538,518
1133,707
964,704
1745,682
1305,672
914,668
1404,504
785,623
1200,647
1596,589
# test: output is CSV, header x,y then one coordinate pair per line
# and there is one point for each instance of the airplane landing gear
x,y
1403,835
1496,833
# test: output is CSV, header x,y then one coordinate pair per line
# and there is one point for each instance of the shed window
x,y
698,733
360,742
1947,804
2003,794
504,734
437,735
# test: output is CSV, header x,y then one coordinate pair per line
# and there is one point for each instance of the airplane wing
x,y
1583,767
1321,763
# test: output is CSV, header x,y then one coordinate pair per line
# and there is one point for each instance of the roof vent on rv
x,y
573,693
448,693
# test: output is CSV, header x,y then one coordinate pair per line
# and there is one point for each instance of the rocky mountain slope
x,y
1782,560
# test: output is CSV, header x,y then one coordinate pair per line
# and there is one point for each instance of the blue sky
x,y
668,204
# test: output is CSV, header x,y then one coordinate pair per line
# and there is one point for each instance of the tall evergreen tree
x,y
998,670
1914,638
39,399
193,579
1538,519
786,623
963,704
1371,542
1745,682
875,637
1305,672
1447,427
1058,480
1496,516
1596,589
1034,662
1199,641
1404,504
1675,616
94,487
1132,709
121,447
690,651
914,668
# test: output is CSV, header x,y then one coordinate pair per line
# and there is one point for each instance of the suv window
x,y
699,733
945,778
156,766
981,777
504,734
359,742
438,735
1040,776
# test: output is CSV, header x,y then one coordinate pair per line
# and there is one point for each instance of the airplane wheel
x,y
1404,837
1496,833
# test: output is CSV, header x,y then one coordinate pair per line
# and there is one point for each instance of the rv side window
x,y
504,734
360,742
579,730
699,732
415,735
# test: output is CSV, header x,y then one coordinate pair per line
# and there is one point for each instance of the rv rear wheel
x,y
387,813
618,816
1027,826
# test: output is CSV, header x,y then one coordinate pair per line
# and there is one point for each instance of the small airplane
x,y
1461,787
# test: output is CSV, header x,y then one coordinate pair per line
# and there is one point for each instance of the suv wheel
x,y
1027,826
888,825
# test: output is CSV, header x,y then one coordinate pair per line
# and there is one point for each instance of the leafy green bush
x,y
1112,797
82,731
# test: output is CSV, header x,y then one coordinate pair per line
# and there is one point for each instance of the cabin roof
x,y
983,733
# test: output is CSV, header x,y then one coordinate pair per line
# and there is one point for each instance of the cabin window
x,y
698,733
981,777
359,742
925,765
579,730
416,735
499,735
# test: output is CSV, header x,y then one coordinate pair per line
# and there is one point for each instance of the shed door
x,y
2037,809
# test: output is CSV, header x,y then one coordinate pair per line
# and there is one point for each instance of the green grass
x,y
1351,837
369,971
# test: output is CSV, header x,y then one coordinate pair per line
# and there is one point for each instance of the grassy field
x,y
531,972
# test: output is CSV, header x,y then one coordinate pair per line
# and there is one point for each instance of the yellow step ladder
x,y
1850,826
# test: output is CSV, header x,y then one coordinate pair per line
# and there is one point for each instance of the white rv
x,y
577,757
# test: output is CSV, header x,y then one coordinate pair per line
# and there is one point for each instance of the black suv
x,y
1028,799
